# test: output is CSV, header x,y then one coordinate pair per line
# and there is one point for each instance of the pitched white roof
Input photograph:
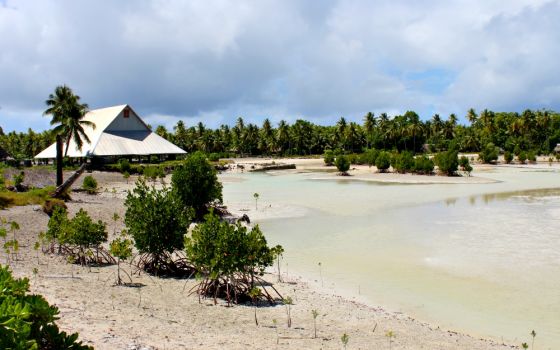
x,y
116,135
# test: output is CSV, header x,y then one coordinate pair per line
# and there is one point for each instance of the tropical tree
x,y
67,114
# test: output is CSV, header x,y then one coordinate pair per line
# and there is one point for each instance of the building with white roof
x,y
118,131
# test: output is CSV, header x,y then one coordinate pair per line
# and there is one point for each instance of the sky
x,y
216,60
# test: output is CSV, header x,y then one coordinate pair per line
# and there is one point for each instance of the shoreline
x,y
162,315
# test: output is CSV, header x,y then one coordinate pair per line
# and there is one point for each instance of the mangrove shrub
x,y
157,220
196,183
230,259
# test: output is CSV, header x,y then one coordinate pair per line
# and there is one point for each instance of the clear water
x,y
479,258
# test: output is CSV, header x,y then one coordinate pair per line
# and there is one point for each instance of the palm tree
x,y
67,111
369,125
471,116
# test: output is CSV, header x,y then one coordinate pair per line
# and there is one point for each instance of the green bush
x,y
328,157
353,158
423,165
79,237
522,157
214,157
342,164
489,154
196,183
531,157
89,184
27,321
508,157
447,162
369,157
229,258
157,220
465,165
383,161
124,165
18,179
404,162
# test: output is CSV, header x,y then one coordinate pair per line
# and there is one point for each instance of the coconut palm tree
x,y
67,114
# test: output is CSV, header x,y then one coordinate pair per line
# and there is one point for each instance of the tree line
x,y
531,130
535,130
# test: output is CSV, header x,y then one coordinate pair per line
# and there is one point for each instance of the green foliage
x,y
489,154
369,157
196,183
28,321
56,225
522,157
124,165
50,205
404,162
328,157
423,165
153,172
342,164
229,257
531,157
383,161
126,176
214,157
508,157
82,231
447,162
156,219
90,184
465,165
18,179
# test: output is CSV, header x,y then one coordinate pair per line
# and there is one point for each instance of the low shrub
x,y
230,260
383,161
51,204
124,165
489,154
522,157
465,165
27,321
404,162
508,157
369,157
328,157
342,164
214,157
79,238
157,220
90,184
447,162
531,157
423,165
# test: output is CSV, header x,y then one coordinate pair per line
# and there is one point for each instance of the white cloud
x,y
216,60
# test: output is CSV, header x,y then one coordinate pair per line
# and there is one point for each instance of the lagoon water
x,y
478,258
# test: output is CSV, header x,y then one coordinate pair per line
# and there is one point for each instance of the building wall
x,y
132,123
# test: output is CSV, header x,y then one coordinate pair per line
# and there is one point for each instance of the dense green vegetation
x,y
229,259
536,130
157,220
78,238
530,130
196,183
27,321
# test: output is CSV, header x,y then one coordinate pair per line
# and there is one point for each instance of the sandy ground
x,y
162,315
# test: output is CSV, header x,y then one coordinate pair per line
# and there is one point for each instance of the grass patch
x,y
33,196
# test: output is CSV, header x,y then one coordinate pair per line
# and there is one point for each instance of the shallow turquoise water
x,y
481,258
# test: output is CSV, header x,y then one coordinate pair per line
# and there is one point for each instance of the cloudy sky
x,y
215,60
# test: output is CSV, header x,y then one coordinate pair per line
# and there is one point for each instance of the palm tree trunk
x,y
59,178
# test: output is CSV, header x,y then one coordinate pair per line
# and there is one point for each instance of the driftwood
x,y
268,167
69,182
